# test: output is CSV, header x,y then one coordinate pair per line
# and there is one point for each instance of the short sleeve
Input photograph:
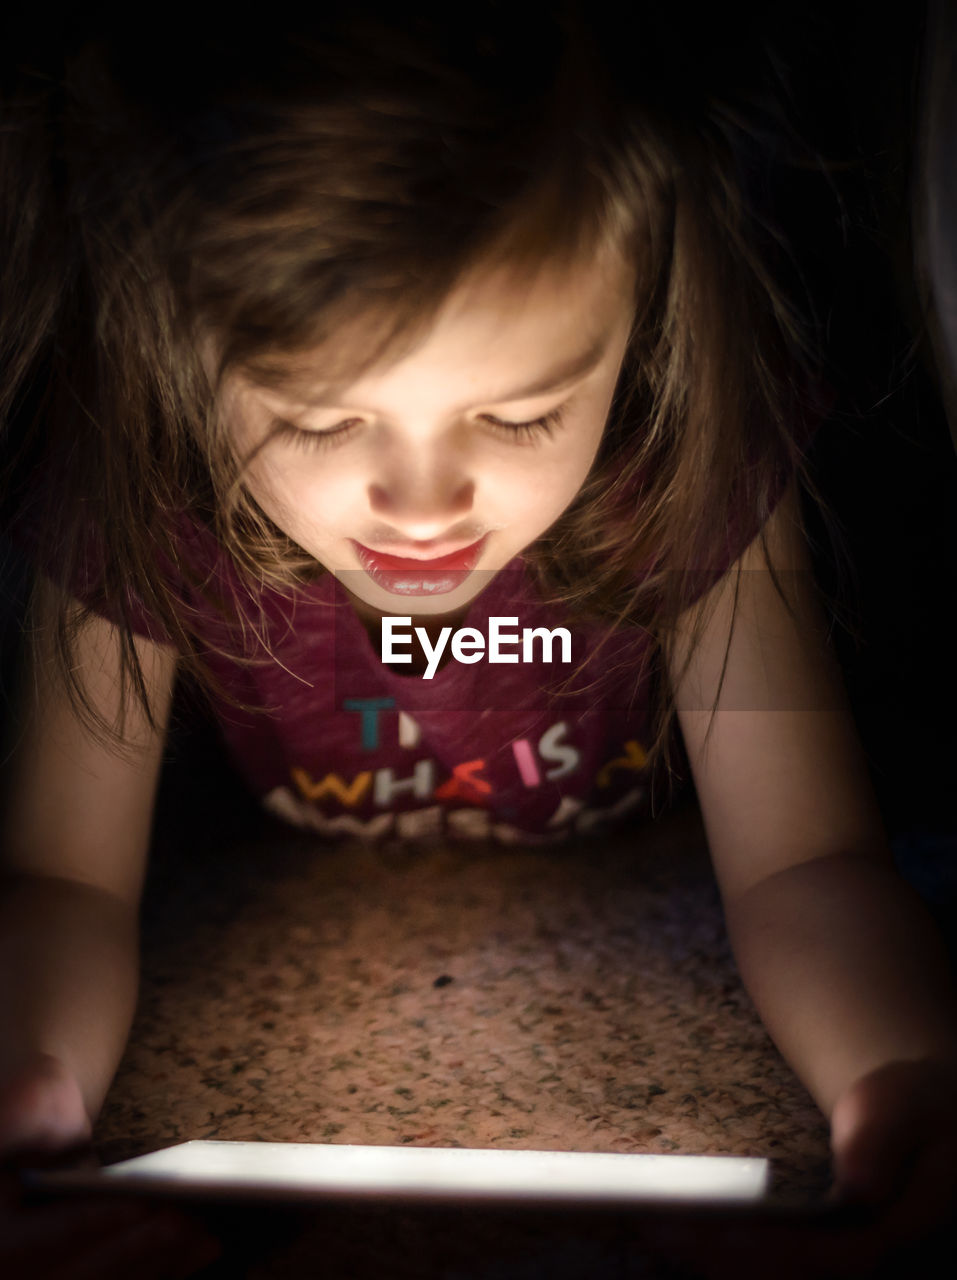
x,y
86,582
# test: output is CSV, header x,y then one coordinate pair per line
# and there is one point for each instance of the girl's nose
x,y
422,498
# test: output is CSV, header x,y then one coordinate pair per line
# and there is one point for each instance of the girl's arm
x,y
838,953
75,840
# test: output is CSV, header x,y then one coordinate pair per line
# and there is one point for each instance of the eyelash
x,y
517,432
525,432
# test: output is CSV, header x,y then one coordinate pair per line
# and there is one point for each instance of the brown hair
x,y
278,187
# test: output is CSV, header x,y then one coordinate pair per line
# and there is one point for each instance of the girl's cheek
x,y
331,500
283,495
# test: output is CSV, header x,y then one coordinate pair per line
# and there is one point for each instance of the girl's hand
x,y
42,1109
41,1113
893,1136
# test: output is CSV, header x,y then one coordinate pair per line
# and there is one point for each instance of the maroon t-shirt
x,y
526,752
518,752
334,741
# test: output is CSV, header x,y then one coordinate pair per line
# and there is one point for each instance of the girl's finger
x,y
928,1206
871,1155
42,1108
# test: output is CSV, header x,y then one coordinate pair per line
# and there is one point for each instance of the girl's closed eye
x,y
530,430
304,438
526,432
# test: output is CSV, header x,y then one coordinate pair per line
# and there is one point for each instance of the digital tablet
x,y
319,1172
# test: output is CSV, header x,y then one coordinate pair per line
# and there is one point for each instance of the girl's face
x,y
419,481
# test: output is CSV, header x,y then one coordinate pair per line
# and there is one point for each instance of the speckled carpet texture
x,y
581,998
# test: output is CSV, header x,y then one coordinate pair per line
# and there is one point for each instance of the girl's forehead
x,y
550,322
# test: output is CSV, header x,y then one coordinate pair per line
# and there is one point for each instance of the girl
x,y
332,349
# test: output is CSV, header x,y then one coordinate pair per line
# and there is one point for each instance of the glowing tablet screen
x,y
437,1173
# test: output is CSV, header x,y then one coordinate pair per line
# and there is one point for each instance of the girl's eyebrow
x,y
562,374
335,395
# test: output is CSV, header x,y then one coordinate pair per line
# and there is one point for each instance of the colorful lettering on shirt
x,y
527,766
634,758
571,817
368,709
347,793
409,732
391,787
569,808
550,748
469,824
590,820
420,784
290,808
565,755
420,824
464,783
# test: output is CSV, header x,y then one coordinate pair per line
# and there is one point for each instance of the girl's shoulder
x,y
232,606
215,601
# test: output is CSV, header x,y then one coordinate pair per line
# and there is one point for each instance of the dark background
x,y
883,459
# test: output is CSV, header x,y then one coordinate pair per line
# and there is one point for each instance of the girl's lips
x,y
404,576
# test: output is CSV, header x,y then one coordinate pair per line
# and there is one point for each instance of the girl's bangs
x,y
561,227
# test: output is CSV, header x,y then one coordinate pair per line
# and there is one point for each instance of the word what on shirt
x,y
459,805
